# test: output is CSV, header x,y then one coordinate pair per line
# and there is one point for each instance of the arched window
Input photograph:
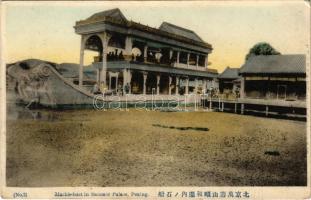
x,y
94,43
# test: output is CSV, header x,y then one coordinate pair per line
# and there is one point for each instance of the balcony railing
x,y
149,60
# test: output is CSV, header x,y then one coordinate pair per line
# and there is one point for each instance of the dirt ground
x,y
153,148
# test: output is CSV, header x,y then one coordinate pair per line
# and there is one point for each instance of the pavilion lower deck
x,y
150,78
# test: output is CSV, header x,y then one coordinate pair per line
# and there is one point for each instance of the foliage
x,y
262,48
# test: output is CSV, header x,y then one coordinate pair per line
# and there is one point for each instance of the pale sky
x,y
44,30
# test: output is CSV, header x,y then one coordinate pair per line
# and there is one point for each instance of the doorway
x,y
281,93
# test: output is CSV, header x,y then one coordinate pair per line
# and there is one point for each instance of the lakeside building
x,y
270,85
229,80
165,60
279,77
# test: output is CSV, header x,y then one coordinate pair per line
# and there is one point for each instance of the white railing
x,y
192,67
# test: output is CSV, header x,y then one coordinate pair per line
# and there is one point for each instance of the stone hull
x,y
42,85
50,89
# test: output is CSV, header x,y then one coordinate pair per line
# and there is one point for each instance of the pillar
x,y
177,59
242,108
158,84
204,86
97,75
109,86
145,53
145,82
206,61
188,57
171,54
197,62
242,89
177,86
124,79
128,46
81,61
169,85
196,85
129,80
117,79
105,38
187,86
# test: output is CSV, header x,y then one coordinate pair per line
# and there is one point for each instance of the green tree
x,y
262,48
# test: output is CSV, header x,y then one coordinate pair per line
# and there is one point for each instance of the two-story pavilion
x,y
164,60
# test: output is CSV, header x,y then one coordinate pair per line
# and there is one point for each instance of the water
x,y
17,112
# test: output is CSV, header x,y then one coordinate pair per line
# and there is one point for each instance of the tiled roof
x,y
230,73
113,13
171,28
275,64
167,29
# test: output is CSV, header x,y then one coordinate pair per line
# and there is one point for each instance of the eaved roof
x,y
275,64
166,29
230,73
113,13
171,28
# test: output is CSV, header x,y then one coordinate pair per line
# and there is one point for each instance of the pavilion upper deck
x,y
114,21
117,39
168,44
